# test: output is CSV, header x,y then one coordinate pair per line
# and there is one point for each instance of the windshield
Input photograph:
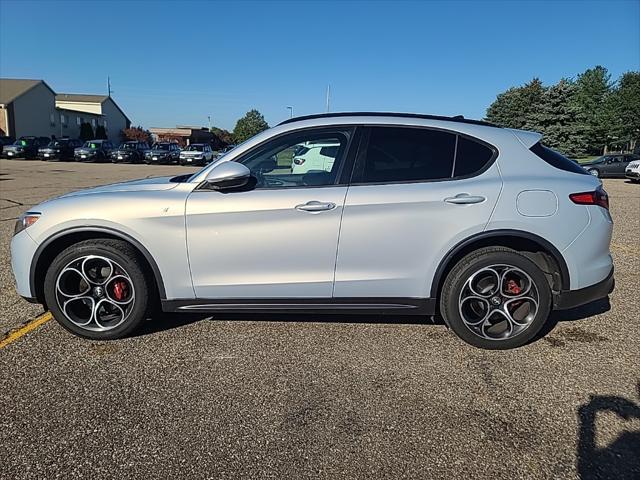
x,y
195,148
161,146
92,145
129,146
58,143
24,142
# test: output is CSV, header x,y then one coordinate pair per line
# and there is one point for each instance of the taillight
x,y
597,197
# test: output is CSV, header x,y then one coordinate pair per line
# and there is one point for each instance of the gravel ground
x,y
316,397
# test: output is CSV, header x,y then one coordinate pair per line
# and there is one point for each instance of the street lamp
x,y
290,112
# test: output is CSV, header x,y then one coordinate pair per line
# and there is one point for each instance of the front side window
x,y
399,154
298,160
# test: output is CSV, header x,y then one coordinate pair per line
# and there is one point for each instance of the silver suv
x,y
415,214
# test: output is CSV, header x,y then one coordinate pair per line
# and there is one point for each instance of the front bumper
x,y
567,299
632,175
23,249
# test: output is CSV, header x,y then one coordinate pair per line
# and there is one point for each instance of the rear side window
x,y
556,159
397,154
471,157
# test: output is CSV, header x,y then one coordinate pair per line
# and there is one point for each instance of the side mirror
x,y
228,175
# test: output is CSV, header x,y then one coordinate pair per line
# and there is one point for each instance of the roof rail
x,y
457,118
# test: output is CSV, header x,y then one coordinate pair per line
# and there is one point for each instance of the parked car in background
x,y
59,149
5,140
163,153
131,152
94,151
632,172
610,165
482,225
25,147
196,154
314,156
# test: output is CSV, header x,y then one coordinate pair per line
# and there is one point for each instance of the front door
x,y
278,238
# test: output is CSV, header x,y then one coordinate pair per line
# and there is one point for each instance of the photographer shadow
x,y
619,459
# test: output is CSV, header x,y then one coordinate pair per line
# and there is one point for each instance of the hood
x,y
143,184
86,150
191,153
14,147
159,152
123,151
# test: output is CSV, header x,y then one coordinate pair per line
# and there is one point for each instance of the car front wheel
x,y
98,289
496,298
594,171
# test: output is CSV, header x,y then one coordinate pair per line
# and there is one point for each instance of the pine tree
x,y
592,90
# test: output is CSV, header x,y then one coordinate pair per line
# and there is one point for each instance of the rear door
x,y
415,193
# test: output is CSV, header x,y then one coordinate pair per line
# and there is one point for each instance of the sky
x,y
177,63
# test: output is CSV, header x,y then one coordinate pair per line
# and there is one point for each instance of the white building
x,y
31,107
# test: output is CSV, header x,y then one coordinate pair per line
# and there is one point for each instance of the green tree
x,y
593,88
516,107
624,110
249,125
555,119
86,131
101,133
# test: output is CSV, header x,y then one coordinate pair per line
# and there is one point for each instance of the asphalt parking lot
x,y
315,397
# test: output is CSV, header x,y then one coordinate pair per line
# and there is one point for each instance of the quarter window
x,y
298,160
397,154
471,157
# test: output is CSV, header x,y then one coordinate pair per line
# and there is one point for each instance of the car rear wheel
x,y
594,171
496,298
98,289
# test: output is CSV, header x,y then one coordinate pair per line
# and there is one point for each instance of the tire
x,y
474,299
113,279
594,171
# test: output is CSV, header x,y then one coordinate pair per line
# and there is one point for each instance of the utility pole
x,y
209,119
109,86
328,96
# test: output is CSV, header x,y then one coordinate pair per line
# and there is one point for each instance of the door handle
x,y
465,199
315,206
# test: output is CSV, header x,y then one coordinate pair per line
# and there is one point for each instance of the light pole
x,y
290,112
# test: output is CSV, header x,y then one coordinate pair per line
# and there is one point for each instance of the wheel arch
x,y
539,250
55,244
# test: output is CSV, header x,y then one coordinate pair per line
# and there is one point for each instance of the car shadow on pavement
x,y
161,321
620,459
167,321
597,307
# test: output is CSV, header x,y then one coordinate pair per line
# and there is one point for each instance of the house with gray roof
x,y
31,107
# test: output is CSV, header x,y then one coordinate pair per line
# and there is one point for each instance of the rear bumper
x,y
574,298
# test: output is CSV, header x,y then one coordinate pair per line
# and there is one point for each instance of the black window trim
x,y
340,178
359,167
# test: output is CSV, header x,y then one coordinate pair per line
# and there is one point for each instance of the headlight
x,y
25,220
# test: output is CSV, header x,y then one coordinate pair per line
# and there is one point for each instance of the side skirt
x,y
366,306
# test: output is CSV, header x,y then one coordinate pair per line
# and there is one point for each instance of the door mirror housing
x,y
228,175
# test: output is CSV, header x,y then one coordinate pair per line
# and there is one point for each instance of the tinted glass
x,y
556,159
399,154
471,157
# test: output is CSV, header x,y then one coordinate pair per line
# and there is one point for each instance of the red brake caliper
x,y
120,290
513,288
